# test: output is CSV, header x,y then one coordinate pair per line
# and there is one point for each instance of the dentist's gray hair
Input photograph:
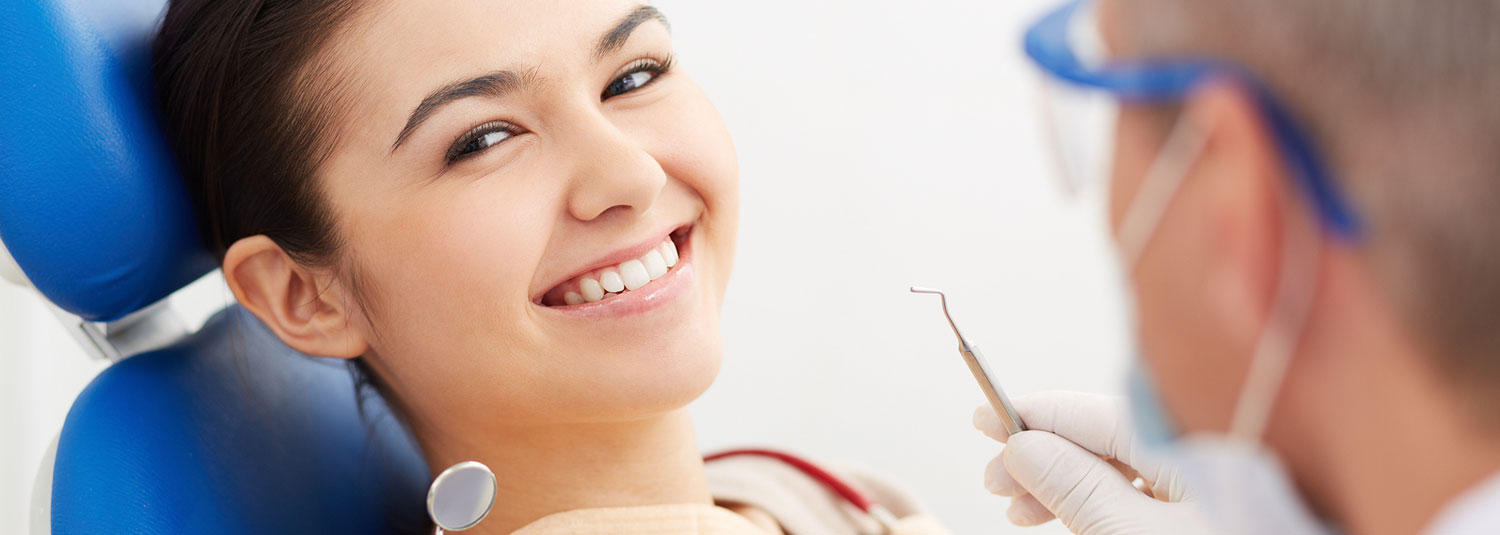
x,y
1402,98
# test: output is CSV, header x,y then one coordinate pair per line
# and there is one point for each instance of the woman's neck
x,y
542,470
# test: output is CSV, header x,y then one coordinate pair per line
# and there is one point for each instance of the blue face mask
x,y
1153,427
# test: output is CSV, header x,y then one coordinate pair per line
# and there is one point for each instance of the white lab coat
x,y
1475,512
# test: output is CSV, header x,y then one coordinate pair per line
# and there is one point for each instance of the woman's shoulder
x,y
804,496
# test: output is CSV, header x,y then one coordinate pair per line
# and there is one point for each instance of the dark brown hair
x,y
232,78
249,103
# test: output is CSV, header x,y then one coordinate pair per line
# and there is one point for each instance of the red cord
x,y
828,480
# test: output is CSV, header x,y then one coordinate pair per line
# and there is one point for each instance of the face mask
x,y
1153,428
1234,478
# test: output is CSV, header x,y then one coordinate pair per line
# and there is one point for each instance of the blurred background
x,y
883,144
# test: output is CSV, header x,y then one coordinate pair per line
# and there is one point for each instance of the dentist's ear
x,y
308,309
1247,202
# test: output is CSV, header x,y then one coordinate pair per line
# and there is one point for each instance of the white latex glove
x,y
1077,463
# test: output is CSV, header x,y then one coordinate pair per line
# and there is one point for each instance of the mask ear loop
x,y
1298,281
1159,187
1295,285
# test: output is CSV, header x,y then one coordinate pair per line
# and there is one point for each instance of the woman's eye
x,y
628,83
481,138
637,75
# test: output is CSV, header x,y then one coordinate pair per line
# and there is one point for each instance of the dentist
x,y
1306,201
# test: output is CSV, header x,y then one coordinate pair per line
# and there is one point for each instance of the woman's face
x,y
502,165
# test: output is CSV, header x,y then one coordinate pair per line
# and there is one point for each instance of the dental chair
x,y
222,430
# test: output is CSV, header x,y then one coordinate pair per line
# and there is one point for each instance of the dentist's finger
x,y
1071,482
1097,423
998,481
988,422
1025,511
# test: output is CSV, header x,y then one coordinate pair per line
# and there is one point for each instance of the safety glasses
x,y
1085,88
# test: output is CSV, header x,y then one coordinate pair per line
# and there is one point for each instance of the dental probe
x,y
981,370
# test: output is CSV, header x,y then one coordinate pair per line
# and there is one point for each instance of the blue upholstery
x,y
229,431
90,206
232,432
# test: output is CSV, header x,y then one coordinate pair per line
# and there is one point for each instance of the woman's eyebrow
x,y
615,38
493,84
500,83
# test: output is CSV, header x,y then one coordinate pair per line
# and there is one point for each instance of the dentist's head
x,y
516,215
1354,329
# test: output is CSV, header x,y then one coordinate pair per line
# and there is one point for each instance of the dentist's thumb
x,y
1084,492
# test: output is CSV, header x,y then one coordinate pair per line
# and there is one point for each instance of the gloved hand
x,y
1077,463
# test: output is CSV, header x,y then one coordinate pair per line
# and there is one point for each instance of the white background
x,y
883,143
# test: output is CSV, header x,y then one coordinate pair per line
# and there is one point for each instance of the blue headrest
x,y
90,204
232,432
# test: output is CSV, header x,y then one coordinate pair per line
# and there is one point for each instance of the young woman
x,y
516,217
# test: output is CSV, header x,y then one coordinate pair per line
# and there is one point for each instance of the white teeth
x,y
655,265
630,275
634,273
669,252
592,292
612,282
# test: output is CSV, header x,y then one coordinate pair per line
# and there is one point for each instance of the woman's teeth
x,y
629,275
634,273
612,282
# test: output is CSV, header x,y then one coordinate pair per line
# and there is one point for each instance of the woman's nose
x,y
613,174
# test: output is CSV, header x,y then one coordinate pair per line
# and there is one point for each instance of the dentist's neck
x,y
1404,450
1382,438
550,469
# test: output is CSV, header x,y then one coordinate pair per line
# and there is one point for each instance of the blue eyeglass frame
x,y
1154,81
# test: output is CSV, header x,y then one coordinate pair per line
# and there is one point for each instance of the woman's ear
x,y
309,309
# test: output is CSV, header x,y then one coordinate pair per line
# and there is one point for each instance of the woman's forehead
x,y
396,53
453,36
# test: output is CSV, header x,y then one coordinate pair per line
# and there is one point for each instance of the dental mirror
x,y
461,496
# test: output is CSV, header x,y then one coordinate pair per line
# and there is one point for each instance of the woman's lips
x,y
625,277
628,270
676,281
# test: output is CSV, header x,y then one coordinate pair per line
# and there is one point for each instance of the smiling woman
x,y
517,218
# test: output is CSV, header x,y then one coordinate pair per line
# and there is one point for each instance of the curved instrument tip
x,y
944,297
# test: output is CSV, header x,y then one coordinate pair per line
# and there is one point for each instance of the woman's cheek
x,y
714,166
701,147
461,269
459,258
461,240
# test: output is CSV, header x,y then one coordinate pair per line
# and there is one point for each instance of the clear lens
x,y
1081,122
1081,119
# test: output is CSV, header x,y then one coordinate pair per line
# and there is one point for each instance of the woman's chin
x,y
663,387
652,386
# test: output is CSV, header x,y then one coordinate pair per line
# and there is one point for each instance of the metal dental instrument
x,y
1007,413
